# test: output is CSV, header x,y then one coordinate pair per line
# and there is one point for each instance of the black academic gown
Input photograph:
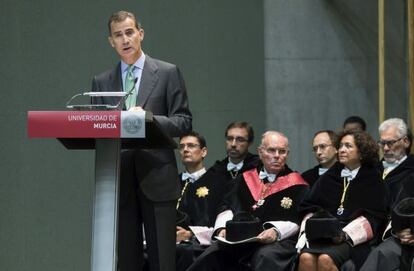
x,y
400,185
220,167
366,196
311,175
198,207
256,256
201,199
396,177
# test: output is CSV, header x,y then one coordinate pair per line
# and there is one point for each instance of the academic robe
x,y
220,166
386,256
283,198
311,175
201,199
366,196
198,207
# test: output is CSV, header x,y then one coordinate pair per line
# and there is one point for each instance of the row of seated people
x,y
349,188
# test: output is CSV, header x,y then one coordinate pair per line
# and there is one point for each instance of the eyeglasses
x,y
190,146
322,147
273,151
238,139
389,143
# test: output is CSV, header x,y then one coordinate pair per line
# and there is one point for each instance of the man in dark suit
x,y
149,184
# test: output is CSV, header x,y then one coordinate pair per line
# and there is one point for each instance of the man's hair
x,y
397,123
121,16
201,140
332,136
401,127
268,133
243,125
356,119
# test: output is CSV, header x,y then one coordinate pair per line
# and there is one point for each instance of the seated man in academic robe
x,y
202,192
271,192
324,149
239,136
398,173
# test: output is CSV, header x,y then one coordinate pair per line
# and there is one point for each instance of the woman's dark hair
x,y
367,147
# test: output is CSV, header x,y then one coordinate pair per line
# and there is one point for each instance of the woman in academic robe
x,y
351,192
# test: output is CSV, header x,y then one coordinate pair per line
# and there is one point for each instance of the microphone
x,y
123,96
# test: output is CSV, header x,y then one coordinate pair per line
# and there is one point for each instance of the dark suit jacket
x,y
162,91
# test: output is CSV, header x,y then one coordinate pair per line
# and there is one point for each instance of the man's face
x,y
126,39
191,152
353,126
392,145
323,149
237,144
274,152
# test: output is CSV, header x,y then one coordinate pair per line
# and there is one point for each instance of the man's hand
x,y
182,234
136,108
406,237
267,236
222,233
340,238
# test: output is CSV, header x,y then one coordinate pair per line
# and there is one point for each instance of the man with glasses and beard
x,y
397,171
239,136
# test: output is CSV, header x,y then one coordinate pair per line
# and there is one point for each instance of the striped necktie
x,y
130,85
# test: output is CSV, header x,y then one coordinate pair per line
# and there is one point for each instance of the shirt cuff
x,y
285,229
222,218
359,230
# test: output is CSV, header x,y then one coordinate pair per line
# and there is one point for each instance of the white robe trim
x,y
303,224
203,234
285,228
359,230
222,218
387,232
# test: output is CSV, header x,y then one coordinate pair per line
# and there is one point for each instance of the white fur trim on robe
x,y
303,224
222,218
387,232
359,230
285,228
203,234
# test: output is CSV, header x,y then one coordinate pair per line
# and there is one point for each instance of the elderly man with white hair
x,y
271,192
398,172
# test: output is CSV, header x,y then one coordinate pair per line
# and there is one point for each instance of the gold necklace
x,y
182,193
341,209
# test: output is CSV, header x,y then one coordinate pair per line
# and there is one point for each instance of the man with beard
x,y
324,149
239,136
398,170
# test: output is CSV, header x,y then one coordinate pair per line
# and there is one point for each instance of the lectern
x,y
107,132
